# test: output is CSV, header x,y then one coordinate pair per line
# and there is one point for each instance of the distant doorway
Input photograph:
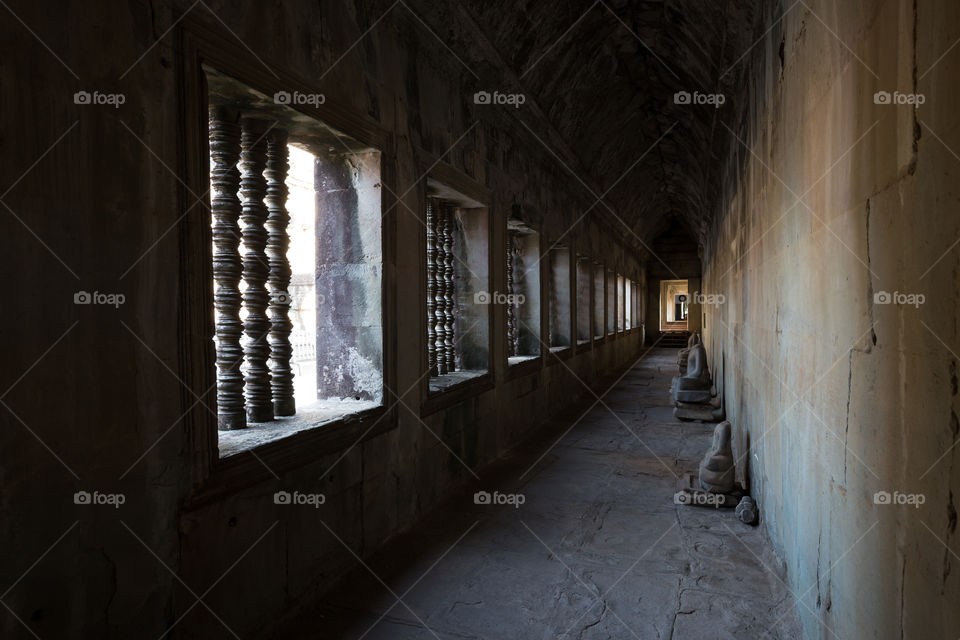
x,y
674,305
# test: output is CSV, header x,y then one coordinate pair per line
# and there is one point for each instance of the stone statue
x,y
717,470
694,386
684,354
692,390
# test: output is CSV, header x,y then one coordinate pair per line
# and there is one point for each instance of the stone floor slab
x,y
597,550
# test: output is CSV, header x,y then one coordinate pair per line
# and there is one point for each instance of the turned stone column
x,y
278,241
253,187
224,136
440,325
449,290
431,287
513,329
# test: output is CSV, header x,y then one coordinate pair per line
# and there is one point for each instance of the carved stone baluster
x,y
431,287
449,290
441,310
253,186
553,311
278,241
513,326
511,317
227,268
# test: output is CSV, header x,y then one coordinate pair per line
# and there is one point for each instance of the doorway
x,y
674,305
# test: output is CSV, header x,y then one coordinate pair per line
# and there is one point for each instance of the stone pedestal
x,y
711,411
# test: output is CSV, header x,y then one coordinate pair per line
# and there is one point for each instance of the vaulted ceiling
x,y
605,74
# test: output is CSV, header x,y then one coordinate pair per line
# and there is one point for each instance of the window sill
x,y
523,365
267,460
439,384
560,353
318,414
465,385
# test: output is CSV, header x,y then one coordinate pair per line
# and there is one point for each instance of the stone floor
x,y
597,549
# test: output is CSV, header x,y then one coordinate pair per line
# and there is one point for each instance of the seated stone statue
x,y
684,354
694,386
717,471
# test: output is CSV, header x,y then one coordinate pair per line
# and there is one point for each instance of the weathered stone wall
x,y
834,395
102,410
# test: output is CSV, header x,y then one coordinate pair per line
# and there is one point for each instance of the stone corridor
x,y
597,549
306,300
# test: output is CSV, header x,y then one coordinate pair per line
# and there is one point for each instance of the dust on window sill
x,y
448,380
314,415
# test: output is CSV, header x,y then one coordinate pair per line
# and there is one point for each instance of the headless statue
x,y
684,354
694,386
717,470
697,369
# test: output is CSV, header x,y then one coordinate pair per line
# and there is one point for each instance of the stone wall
x,y
834,394
104,209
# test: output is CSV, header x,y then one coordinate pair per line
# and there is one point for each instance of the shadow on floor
x,y
597,549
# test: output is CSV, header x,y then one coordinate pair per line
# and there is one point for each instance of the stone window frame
x,y
632,302
610,303
561,259
640,302
458,291
203,43
628,317
446,183
526,239
621,300
599,302
583,287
